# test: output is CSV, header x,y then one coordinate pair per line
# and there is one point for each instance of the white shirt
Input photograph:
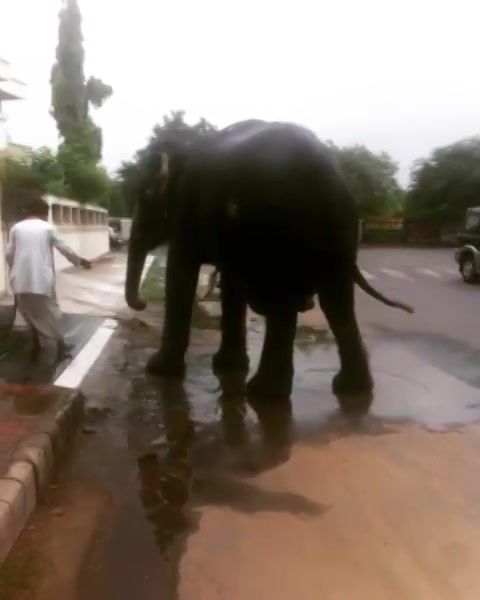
x,y
30,257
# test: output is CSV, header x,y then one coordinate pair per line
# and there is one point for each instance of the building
x,y
11,89
17,151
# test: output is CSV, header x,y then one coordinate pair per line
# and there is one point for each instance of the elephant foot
x,y
269,386
161,365
354,391
230,360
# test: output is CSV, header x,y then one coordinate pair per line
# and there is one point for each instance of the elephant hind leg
x,y
353,384
275,373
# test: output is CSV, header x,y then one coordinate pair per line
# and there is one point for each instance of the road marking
x,y
449,270
74,374
368,276
396,274
429,272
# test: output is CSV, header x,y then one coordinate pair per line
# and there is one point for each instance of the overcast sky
x,y
396,76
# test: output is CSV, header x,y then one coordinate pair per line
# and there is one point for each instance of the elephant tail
x,y
371,291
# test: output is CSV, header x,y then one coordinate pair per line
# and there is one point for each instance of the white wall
x,y
87,241
3,130
82,227
3,245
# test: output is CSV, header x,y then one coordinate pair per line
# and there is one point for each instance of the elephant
x,y
265,204
214,281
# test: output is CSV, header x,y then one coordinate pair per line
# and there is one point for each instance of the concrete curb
x,y
31,469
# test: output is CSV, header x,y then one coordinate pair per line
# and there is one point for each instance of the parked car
x,y
122,227
467,253
115,240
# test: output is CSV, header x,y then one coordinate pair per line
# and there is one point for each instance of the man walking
x,y
32,278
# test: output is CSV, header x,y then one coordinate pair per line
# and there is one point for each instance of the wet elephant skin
x,y
256,200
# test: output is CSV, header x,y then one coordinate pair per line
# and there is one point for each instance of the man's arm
x,y
10,249
67,252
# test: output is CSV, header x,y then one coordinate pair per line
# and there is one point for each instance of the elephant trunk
x,y
137,254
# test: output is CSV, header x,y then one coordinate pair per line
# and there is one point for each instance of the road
x,y
184,491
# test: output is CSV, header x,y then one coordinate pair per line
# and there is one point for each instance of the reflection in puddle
x,y
164,490
192,454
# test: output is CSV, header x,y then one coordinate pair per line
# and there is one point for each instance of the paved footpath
x,y
188,491
37,419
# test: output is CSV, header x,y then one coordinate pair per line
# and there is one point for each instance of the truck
x,y
467,252
120,229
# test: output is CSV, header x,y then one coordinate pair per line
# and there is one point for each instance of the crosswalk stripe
x,y
429,272
396,274
450,270
368,276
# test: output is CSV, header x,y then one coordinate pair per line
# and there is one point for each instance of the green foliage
x,y
39,170
117,204
98,92
84,180
48,172
445,184
173,130
371,178
80,148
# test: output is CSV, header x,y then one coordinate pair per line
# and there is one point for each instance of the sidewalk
x,y
38,421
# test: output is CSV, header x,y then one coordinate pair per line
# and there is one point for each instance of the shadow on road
x,y
198,464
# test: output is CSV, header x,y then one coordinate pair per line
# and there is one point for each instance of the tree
x,y
117,204
445,184
80,148
371,178
173,131
38,170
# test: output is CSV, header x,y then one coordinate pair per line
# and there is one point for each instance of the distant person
x,y
213,282
32,278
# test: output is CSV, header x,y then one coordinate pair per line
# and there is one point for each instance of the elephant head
x,y
150,224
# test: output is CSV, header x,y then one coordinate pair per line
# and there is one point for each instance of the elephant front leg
x,y
275,373
353,384
232,354
181,284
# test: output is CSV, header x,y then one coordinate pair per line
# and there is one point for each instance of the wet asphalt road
x,y
198,480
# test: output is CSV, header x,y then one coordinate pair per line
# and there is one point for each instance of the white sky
x,y
396,76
